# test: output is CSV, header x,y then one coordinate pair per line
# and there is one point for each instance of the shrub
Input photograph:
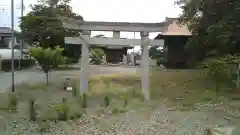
x,y
75,113
137,94
117,109
62,110
6,64
70,60
12,101
47,58
97,55
96,61
217,70
220,69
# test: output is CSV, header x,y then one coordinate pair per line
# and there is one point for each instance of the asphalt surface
x,y
33,76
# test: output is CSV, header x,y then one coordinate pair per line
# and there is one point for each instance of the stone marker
x,y
69,89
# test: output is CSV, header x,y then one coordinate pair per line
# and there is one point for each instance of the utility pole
x,y
133,38
21,41
12,42
21,46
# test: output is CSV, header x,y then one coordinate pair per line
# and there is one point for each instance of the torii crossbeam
x,y
87,26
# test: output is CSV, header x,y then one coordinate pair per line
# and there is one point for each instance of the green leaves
x,y
97,52
47,58
41,23
214,24
156,53
97,55
221,69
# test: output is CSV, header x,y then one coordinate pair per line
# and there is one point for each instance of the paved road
x,y
36,76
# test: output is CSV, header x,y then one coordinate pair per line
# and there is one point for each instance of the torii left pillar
x,y
145,65
84,63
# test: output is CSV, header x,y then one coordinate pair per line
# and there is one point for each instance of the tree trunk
x,y
217,87
238,79
47,78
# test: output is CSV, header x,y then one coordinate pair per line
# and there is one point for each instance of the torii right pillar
x,y
145,65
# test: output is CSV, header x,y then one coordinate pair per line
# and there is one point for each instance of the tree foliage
x,y
41,25
216,36
47,58
155,52
98,52
223,70
97,55
214,24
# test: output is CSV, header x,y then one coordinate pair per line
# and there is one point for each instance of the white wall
x,y
8,40
7,54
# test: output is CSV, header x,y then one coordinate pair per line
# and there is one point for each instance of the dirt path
x,y
36,76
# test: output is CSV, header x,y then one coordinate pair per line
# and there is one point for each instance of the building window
x,y
3,44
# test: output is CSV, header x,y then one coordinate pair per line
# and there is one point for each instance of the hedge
x,y
72,60
96,61
6,64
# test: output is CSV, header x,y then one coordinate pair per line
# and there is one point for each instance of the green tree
x,y
97,55
47,58
155,52
218,71
41,25
214,24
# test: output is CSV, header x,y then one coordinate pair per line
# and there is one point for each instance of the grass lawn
x,y
179,97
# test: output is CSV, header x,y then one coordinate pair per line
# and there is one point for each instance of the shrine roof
x,y
176,29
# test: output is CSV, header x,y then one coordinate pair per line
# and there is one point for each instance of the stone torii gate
x,y
87,26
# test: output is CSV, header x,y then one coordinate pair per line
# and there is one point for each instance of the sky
x,y
105,10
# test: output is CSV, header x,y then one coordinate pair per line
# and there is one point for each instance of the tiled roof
x,y
176,29
6,30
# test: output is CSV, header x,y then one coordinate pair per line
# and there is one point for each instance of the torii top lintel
x,y
113,26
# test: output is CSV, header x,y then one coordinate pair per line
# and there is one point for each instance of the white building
x,y
6,44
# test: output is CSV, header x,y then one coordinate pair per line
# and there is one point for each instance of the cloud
x,y
5,12
105,10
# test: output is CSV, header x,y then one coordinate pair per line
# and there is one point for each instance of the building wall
x,y
176,56
6,41
115,55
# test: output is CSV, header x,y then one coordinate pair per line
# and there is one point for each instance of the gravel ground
x,y
144,121
159,120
